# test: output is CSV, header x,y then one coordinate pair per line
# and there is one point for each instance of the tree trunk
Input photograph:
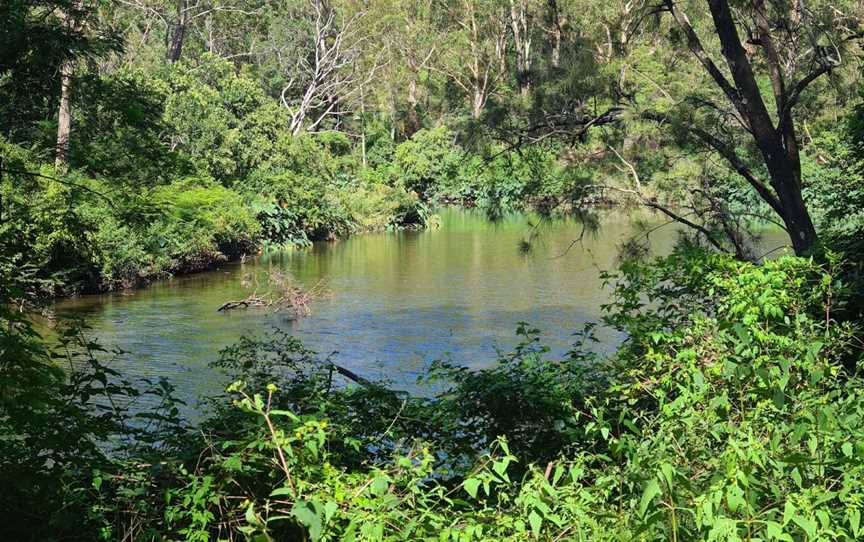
x,y
522,42
797,219
363,126
413,119
178,34
556,31
477,103
64,114
64,117
782,161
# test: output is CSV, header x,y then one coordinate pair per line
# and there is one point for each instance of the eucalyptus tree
x,y
523,22
412,34
218,27
476,57
320,49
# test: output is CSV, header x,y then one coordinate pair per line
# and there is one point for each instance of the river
x,y
396,300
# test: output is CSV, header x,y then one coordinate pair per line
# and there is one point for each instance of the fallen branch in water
x,y
284,294
350,375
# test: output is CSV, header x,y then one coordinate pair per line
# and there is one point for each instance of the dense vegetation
x,y
733,412
144,138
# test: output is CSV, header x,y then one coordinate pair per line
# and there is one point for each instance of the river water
x,y
396,300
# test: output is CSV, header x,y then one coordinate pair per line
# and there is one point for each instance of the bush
x,y
375,206
203,221
221,119
186,226
124,261
120,127
427,161
834,171
42,227
510,181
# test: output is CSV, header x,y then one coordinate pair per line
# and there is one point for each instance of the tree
x,y
72,20
555,23
414,38
794,46
729,78
181,20
521,25
476,61
325,74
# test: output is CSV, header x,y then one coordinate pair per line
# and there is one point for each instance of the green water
x,y
397,300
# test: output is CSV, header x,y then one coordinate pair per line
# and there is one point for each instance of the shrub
x,y
834,171
203,222
426,161
375,206
221,119
732,411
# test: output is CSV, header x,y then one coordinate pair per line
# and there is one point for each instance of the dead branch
x,y
283,295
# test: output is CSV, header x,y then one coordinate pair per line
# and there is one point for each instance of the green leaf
x,y
471,485
668,473
279,491
774,530
854,521
698,379
788,512
309,515
735,498
330,508
536,521
796,476
807,524
651,490
250,516
380,485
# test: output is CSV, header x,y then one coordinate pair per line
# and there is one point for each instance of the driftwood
x,y
286,295
283,294
242,304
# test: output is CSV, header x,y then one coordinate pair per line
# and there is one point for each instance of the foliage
x,y
221,119
732,411
218,214
427,160
120,130
836,175
33,44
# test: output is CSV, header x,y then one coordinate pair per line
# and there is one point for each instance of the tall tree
x,y
793,46
414,37
73,17
555,20
476,60
521,25
177,31
325,76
